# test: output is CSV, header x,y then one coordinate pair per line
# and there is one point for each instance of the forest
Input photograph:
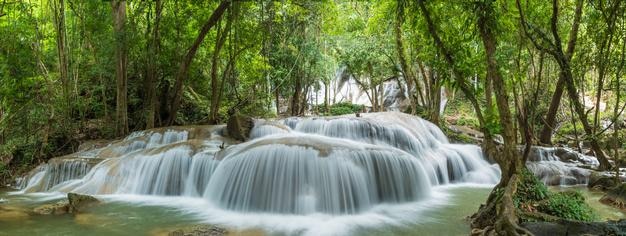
x,y
327,110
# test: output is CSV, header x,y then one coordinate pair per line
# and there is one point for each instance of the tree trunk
x,y
407,72
59,26
459,76
215,83
121,112
550,120
295,104
154,45
564,64
505,219
191,53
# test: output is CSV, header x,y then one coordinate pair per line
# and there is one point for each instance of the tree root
x,y
499,215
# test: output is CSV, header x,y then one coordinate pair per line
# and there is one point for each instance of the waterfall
x,y
331,165
560,166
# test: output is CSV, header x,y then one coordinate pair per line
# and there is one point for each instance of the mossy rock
x,y
616,197
566,227
602,182
199,230
58,208
79,202
239,126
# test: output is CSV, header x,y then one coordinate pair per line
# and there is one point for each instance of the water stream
x,y
388,173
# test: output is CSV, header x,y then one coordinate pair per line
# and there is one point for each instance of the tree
x,y
121,107
184,66
554,48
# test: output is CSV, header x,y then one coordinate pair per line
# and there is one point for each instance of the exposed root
x,y
499,215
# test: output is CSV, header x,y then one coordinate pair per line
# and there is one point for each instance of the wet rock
x,y
566,227
616,197
75,203
199,230
598,181
239,126
59,208
79,202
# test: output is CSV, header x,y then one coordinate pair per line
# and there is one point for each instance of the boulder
x,y
59,208
566,227
239,126
601,182
75,203
616,197
199,230
79,202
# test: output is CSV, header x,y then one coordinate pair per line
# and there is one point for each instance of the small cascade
x,y
65,173
333,165
560,166
307,174
54,172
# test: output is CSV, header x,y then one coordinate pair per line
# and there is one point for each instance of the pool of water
x,y
445,213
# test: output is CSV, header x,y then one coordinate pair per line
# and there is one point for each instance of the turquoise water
x,y
445,214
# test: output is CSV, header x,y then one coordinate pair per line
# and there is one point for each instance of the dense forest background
x,y
532,72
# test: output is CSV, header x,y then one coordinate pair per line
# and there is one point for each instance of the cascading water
x,y
560,166
335,165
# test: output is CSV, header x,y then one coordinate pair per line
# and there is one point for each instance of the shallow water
x,y
141,215
111,218
445,214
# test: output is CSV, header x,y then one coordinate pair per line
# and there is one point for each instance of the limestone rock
x,y
59,208
601,182
238,127
199,230
79,202
565,227
616,197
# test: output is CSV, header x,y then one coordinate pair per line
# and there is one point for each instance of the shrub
x,y
338,109
530,188
570,205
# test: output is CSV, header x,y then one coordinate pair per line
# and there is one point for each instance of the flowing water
x,y
388,173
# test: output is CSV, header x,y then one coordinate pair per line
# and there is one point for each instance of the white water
x,y
560,166
382,167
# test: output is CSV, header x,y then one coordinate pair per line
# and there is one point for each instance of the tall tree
x,y
222,34
505,220
58,15
121,84
191,53
152,58
550,118
407,72
555,49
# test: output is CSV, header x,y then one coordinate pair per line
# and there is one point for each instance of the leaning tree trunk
x,y
407,72
191,53
215,83
121,108
550,120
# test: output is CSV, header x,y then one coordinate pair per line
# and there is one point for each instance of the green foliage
x,y
530,188
338,109
569,205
